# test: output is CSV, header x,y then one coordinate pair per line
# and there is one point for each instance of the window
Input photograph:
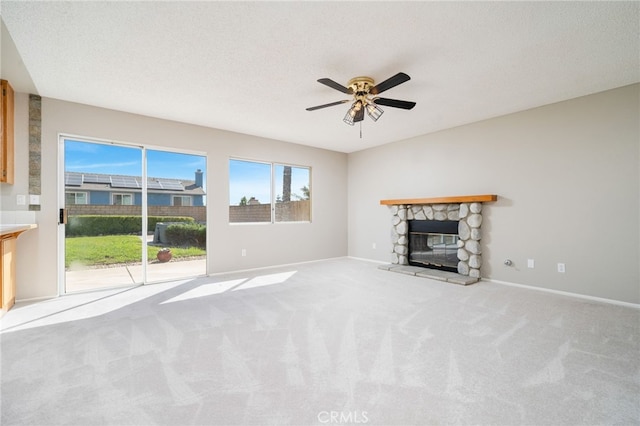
x,y
76,198
252,186
181,200
249,191
122,199
293,202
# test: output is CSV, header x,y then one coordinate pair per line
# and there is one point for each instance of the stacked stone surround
x,y
35,142
469,217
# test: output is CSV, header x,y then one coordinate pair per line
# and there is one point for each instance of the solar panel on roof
x,y
124,182
72,179
153,184
172,186
118,182
95,178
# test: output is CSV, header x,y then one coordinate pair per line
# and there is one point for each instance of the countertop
x,y
16,228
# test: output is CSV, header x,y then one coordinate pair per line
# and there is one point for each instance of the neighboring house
x,y
103,189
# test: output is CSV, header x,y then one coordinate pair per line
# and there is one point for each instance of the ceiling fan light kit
x,y
362,89
374,111
350,115
354,114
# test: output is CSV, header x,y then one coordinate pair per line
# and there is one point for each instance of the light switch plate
x,y
34,200
530,263
21,200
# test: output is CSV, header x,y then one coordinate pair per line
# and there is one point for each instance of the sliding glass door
x,y
129,215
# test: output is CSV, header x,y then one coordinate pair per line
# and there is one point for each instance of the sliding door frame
x,y
144,202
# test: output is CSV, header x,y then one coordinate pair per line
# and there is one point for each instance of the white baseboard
x,y
566,293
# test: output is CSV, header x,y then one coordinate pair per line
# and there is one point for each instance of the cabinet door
x,y
6,132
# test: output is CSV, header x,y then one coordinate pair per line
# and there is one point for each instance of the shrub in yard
x,y
94,225
187,235
152,220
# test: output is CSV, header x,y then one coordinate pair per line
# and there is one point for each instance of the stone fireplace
x,y
438,233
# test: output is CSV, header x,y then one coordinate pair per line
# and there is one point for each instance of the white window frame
x,y
273,165
75,197
123,195
189,199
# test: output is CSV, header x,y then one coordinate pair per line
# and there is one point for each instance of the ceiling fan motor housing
x,y
360,85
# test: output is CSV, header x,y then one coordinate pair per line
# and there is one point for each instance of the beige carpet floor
x,y
331,342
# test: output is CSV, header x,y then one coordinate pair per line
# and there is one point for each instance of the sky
x,y
246,178
87,157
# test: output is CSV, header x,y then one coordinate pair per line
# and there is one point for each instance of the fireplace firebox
x,y
433,244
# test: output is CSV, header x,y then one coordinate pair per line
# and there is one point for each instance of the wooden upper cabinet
x,y
6,130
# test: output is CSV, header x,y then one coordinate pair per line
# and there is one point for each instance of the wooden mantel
x,y
443,200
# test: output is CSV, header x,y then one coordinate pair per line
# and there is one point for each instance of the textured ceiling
x,y
251,67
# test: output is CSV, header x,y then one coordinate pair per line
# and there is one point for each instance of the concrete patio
x,y
97,278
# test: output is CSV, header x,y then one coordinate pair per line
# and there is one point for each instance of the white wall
x,y
266,245
567,177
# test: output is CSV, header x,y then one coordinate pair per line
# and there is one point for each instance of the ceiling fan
x,y
362,89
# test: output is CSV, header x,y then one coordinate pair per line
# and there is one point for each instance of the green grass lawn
x,y
111,249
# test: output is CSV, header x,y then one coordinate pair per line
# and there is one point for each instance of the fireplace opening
x,y
434,244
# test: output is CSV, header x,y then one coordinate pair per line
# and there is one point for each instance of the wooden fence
x,y
292,211
198,213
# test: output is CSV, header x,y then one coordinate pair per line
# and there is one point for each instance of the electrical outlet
x,y
561,268
21,200
34,200
244,252
530,263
